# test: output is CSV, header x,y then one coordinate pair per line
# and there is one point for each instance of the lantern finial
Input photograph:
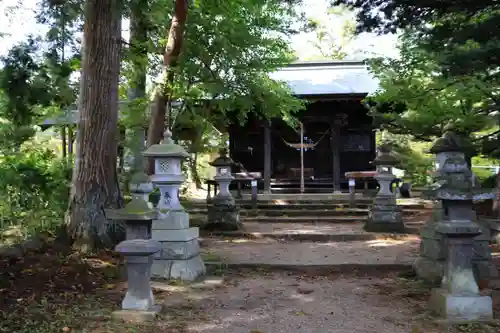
x,y
167,136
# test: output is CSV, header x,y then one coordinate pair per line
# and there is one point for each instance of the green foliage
x,y
30,86
34,190
416,99
330,43
413,158
489,182
228,53
462,30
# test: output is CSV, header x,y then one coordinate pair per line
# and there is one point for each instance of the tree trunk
x,y
95,183
170,57
496,200
194,171
137,85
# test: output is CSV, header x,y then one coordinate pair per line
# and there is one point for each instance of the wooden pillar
x,y
64,142
302,187
267,156
70,140
335,145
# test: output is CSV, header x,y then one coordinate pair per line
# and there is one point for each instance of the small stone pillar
x,y
222,212
455,193
179,257
385,215
139,302
138,214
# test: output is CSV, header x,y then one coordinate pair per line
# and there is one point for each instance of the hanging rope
x,y
305,145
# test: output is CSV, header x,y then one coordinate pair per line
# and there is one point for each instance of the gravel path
x,y
268,251
280,303
305,228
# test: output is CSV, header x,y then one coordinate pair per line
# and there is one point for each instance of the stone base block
x,y
429,270
432,270
178,250
461,309
185,270
139,302
388,220
223,219
135,316
182,235
172,220
381,201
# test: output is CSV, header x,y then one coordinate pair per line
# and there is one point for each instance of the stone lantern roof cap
x,y
139,177
385,160
223,160
449,142
168,148
385,157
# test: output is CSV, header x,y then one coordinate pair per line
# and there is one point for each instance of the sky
x,y
23,23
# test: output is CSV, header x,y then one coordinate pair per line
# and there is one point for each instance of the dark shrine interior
x,y
332,127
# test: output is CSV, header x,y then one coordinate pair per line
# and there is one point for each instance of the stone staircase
x,y
304,210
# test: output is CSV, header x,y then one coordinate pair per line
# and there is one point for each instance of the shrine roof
x,y
305,78
328,78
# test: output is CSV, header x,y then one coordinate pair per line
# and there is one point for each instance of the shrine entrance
x,y
334,135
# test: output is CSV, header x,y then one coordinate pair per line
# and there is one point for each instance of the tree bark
x,y
170,58
95,183
137,87
496,200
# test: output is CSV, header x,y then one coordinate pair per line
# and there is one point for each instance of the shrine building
x,y
337,131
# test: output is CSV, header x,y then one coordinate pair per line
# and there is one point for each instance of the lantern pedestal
x,y
223,215
458,300
385,216
139,302
179,257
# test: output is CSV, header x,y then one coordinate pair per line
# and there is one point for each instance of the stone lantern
x,y
179,257
454,191
138,214
222,212
385,215
458,299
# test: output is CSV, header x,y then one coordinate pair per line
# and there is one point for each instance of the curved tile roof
x,y
305,78
328,78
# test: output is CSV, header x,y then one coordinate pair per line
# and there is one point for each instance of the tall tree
x,y
330,40
137,59
94,183
163,97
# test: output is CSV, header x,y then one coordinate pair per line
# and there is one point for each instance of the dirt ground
x,y
280,302
54,291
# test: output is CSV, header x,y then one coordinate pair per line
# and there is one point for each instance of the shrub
x,y
34,191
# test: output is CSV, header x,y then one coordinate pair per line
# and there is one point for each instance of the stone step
x,y
311,237
199,219
308,212
307,207
304,219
